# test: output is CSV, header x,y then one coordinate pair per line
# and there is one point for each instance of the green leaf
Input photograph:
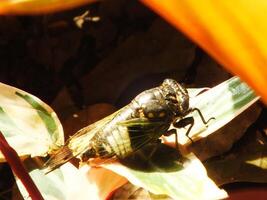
x,y
169,176
67,182
223,102
30,126
44,114
64,183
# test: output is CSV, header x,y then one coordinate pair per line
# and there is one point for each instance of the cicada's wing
x,y
143,131
76,144
143,123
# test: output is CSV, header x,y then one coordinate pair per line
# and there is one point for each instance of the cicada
x,y
143,121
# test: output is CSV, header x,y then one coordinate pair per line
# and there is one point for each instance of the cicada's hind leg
x,y
90,153
154,148
148,150
173,132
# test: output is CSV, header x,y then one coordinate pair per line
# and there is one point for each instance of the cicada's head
x,y
176,96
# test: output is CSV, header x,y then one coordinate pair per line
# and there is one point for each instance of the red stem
x,y
17,167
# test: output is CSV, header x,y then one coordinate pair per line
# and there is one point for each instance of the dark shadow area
x,y
245,161
164,159
238,191
6,181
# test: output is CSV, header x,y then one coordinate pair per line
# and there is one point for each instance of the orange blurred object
x,y
233,32
104,181
35,7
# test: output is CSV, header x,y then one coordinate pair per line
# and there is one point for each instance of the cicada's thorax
x,y
144,120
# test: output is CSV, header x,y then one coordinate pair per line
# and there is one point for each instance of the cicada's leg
x,y
90,153
173,132
154,148
201,116
184,122
190,121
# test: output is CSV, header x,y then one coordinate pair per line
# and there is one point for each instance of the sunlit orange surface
x,y
233,32
35,7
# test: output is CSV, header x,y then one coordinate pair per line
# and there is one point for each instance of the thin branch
x,y
17,167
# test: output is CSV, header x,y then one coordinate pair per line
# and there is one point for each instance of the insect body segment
x,y
147,117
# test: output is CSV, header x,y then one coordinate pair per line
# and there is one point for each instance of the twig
x,y
17,167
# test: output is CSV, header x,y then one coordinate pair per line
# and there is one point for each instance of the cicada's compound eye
x,y
176,95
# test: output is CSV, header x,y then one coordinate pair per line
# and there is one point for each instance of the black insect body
x,y
143,121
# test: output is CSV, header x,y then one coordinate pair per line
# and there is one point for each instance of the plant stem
x,y
17,167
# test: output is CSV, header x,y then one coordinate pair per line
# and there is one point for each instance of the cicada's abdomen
x,y
113,141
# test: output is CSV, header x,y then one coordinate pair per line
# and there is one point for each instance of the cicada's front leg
x,y
183,123
201,116
190,121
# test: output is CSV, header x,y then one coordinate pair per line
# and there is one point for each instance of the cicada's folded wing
x,y
142,131
62,156
141,123
76,144
66,152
